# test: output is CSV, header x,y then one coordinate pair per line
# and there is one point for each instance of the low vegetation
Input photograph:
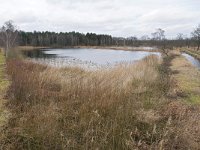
x,y
3,88
127,107
187,78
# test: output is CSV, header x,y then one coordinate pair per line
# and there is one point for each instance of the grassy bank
x,y
3,88
195,53
187,78
128,107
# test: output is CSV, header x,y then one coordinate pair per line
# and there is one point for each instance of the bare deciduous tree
x,y
8,36
196,36
180,39
188,41
159,34
145,38
159,37
180,36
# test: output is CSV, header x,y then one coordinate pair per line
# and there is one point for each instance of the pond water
x,y
192,60
88,57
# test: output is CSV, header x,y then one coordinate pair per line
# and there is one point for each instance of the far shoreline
x,y
124,48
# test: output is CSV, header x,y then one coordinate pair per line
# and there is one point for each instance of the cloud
x,y
115,17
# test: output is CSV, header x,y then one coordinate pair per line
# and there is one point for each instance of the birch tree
x,y
8,36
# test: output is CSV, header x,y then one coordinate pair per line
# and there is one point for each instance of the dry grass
x,y
123,108
4,114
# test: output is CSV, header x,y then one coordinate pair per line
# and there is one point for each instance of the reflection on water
x,y
37,54
193,60
79,57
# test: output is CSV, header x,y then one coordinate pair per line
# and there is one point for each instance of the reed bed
x,y
70,108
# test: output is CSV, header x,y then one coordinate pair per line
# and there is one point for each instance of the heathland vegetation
x,y
153,104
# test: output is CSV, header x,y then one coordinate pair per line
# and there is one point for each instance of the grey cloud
x,y
115,17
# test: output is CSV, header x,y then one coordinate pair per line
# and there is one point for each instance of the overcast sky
x,y
116,17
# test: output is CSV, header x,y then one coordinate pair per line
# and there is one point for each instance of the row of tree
x,y
10,36
61,39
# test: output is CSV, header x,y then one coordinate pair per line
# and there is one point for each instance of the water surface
x,y
192,60
95,57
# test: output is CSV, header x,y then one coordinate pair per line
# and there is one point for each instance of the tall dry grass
x,y
121,108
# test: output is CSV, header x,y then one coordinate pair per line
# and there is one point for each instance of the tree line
x,y
11,36
63,39
53,39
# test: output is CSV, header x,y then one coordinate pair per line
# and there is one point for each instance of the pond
x,y
192,60
86,57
